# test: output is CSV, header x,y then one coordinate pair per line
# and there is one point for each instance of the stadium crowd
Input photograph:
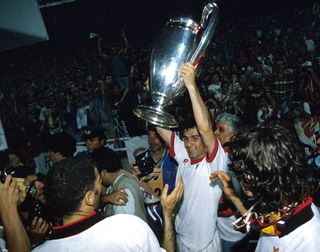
x,y
257,71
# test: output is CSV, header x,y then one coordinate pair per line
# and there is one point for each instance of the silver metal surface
x,y
180,41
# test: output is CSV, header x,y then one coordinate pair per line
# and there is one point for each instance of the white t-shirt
x,y
119,233
303,239
197,215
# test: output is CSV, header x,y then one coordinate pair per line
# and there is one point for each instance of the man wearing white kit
x,y
198,153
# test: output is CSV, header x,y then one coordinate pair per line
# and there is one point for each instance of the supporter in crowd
x,y
94,138
61,146
114,178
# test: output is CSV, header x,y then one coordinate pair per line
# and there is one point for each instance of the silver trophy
x,y
181,40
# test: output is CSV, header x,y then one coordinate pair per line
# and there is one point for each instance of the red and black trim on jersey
x,y
76,227
278,224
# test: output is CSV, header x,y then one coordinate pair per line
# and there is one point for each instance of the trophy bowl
x,y
181,40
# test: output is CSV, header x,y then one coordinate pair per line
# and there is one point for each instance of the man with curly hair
x,y
271,167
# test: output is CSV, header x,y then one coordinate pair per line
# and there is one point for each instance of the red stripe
x,y
214,151
75,222
171,151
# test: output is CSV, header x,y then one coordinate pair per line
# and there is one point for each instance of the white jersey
x,y
197,216
226,230
303,239
117,233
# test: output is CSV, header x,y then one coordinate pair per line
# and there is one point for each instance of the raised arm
x,y
165,135
200,112
100,52
125,40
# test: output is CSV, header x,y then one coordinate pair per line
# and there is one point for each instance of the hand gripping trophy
x,y
180,41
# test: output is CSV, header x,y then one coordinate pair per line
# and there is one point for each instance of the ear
x,y
89,198
103,173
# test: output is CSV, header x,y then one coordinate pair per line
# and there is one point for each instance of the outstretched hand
x,y
118,197
170,202
226,182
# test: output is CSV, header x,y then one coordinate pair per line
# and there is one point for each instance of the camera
x,y
146,165
34,207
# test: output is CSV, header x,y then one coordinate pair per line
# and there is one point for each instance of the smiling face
x,y
193,143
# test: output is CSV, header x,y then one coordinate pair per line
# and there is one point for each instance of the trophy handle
x,y
210,8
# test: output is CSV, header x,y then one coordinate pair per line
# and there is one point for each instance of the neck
x,y
113,176
75,216
158,154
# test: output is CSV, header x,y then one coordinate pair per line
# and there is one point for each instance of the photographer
x,y
15,234
155,168
32,209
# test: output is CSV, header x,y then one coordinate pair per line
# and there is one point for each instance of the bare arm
x,y
228,190
125,40
16,236
118,198
101,54
199,108
165,135
169,204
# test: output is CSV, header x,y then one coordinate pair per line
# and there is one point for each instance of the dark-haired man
x,y
198,153
115,178
271,167
94,138
61,146
73,189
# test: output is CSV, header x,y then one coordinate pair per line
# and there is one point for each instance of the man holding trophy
x,y
198,153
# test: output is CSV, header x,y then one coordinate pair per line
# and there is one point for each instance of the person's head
x,y
155,141
225,88
279,66
73,185
192,140
270,165
94,138
108,163
227,125
215,77
263,101
243,80
61,146
242,102
9,159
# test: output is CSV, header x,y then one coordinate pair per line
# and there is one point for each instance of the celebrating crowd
x,y
241,173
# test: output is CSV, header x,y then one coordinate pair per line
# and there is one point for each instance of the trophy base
x,y
156,116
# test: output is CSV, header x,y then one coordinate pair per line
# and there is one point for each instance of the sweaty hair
x,y
62,143
231,120
67,183
188,123
106,159
269,161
